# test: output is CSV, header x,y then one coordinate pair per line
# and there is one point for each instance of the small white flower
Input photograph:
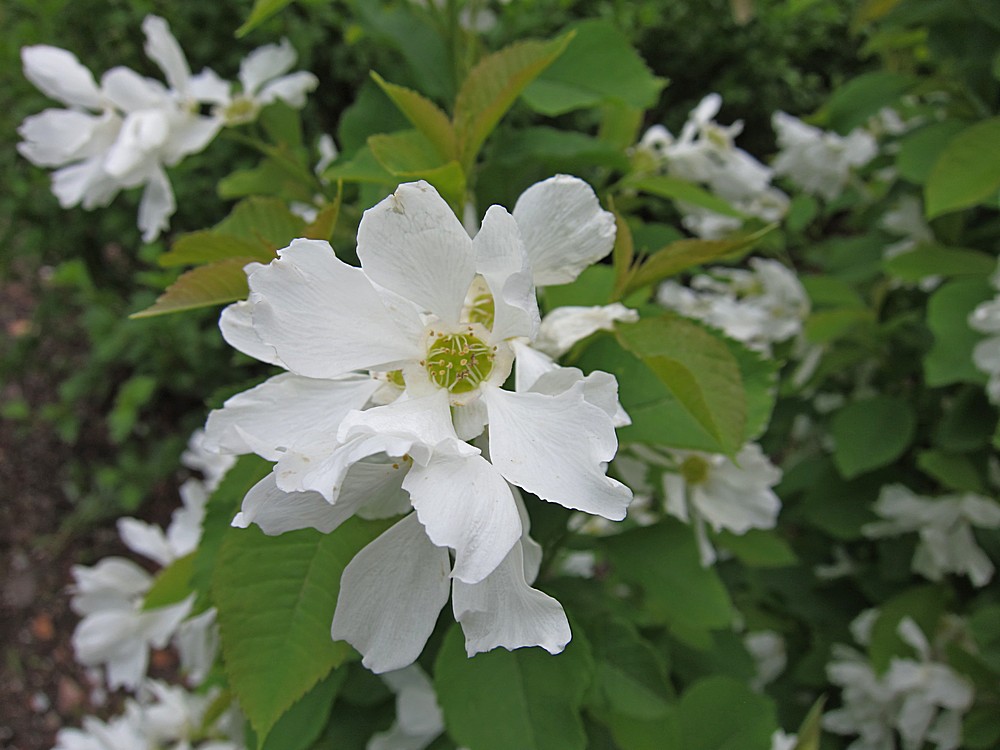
x,y
819,162
782,741
945,528
262,76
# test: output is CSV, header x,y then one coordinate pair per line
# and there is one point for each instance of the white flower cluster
x,y
944,524
393,400
759,306
819,162
986,355
124,132
923,700
705,154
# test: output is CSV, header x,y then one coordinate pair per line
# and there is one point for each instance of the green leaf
x,y
525,699
630,733
811,727
622,254
948,309
853,103
720,713
275,597
698,370
871,433
600,65
425,116
759,549
302,724
760,384
131,396
209,245
675,189
980,728
920,149
283,124
923,604
172,584
409,155
954,471
664,563
551,146
493,85
212,284
267,178
937,260
967,172
362,167
824,326
262,10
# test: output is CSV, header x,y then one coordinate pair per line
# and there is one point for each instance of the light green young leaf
x,y
967,172
600,65
172,584
301,724
425,116
808,736
410,156
697,368
491,88
275,597
212,284
210,245
870,433
748,723
262,10
362,167
525,699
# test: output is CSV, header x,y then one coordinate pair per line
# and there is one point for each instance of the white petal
x,y
557,447
189,135
145,539
57,136
57,73
271,417
413,244
134,152
276,511
162,48
390,596
291,89
503,610
236,324
530,365
564,228
565,326
85,183
264,64
465,504
323,317
197,642
157,205
502,260
131,92
599,388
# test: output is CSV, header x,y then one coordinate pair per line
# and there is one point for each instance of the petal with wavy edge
x,y
532,550
564,228
284,410
58,73
556,447
276,511
390,596
565,326
323,317
86,183
162,48
208,87
145,539
599,388
291,89
465,504
236,324
265,64
529,365
413,244
503,610
502,261
157,205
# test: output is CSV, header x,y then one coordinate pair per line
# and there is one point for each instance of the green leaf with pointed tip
x,y
493,85
920,149
698,370
172,584
212,284
262,10
749,721
275,597
525,699
811,728
967,172
425,116
362,167
410,156
870,433
675,189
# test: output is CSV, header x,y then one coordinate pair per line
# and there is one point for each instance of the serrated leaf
x,y
870,433
750,718
525,699
491,88
600,65
212,284
967,172
675,189
697,368
425,116
299,727
275,597
172,584
262,10
209,245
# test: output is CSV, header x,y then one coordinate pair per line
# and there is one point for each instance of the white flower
x,y
262,76
436,320
120,733
565,326
782,741
732,495
418,716
945,527
767,648
986,355
817,161
211,465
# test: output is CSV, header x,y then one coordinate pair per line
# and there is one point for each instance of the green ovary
x,y
694,470
482,310
459,362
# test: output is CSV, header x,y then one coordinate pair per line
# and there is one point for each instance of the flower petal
x,y
86,183
145,539
565,326
264,64
131,92
502,261
189,134
564,228
324,317
557,447
413,244
57,136
59,74
390,596
236,324
276,511
162,48
503,610
465,504
157,205
291,89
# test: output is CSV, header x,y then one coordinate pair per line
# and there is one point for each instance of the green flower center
x,y
482,310
396,378
694,469
459,362
240,110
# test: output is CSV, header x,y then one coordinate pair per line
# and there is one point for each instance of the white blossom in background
x,y
819,162
986,354
921,699
712,489
392,368
767,648
760,306
705,153
782,741
944,525
418,717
